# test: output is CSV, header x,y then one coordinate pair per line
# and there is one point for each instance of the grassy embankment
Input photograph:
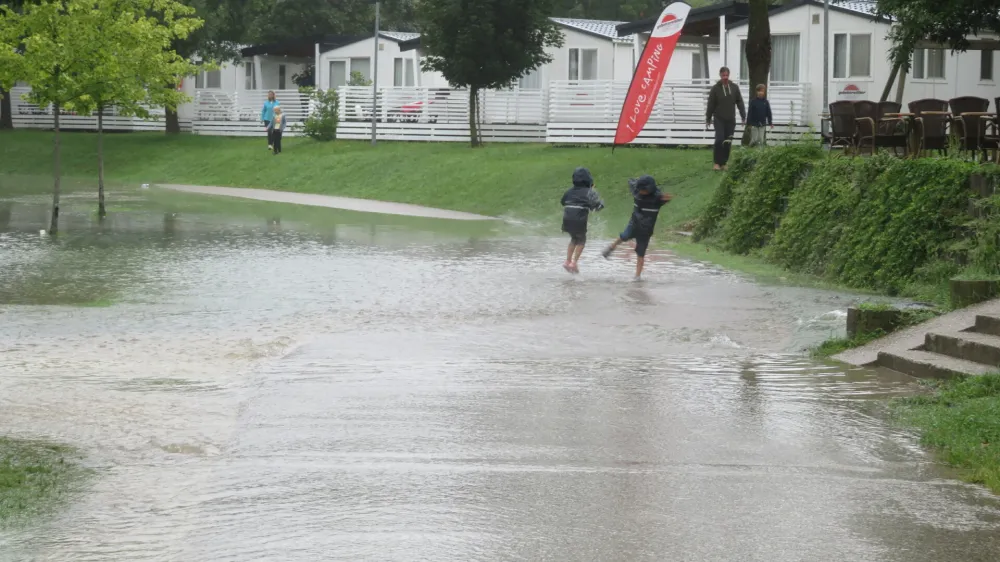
x,y
34,477
960,421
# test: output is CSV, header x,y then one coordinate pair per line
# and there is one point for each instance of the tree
x,y
483,44
50,57
758,49
949,23
6,107
129,42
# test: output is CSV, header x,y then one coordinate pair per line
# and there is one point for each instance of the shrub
x,y
358,79
759,202
321,124
740,167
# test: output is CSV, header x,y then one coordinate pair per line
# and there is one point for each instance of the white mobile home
x,y
859,50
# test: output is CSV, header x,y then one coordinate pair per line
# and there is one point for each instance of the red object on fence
x,y
650,71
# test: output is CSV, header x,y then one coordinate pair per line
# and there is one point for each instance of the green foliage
x,y
759,202
321,124
904,218
984,254
950,23
358,79
961,421
34,477
740,166
831,347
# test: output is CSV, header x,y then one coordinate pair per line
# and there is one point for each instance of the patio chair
x,y
968,124
931,123
866,115
890,132
843,125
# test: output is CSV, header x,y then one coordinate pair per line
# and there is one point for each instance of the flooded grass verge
x,y
960,421
35,478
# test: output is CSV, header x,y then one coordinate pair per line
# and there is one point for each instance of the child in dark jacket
x,y
646,208
759,117
577,204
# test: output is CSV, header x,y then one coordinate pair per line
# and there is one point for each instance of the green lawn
x,y
33,478
519,180
961,422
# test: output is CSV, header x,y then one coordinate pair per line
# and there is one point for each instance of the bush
x,y
321,124
759,202
740,167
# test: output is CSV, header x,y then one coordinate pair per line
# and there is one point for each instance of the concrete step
x,y
988,324
970,346
927,365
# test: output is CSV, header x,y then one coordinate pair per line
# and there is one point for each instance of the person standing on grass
x,y
759,117
723,100
275,129
267,115
577,204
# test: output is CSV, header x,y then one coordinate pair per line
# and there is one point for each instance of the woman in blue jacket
x,y
267,115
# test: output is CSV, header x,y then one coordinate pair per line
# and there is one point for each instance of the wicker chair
x,y
890,132
931,123
843,125
968,124
866,115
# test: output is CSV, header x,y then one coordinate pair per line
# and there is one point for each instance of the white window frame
x,y
744,68
925,62
697,66
282,76
578,51
848,74
992,66
201,80
405,80
250,76
329,70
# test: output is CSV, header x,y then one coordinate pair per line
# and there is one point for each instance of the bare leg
x,y
607,251
639,262
576,254
569,252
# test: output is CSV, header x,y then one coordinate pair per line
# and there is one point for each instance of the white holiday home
x,y
859,57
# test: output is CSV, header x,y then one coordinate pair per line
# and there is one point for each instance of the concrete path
x,y
346,203
913,337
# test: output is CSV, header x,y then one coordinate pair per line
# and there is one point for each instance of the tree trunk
x,y
473,116
173,122
889,82
758,51
101,211
6,107
902,85
54,224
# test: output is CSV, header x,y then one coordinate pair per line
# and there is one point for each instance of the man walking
x,y
723,99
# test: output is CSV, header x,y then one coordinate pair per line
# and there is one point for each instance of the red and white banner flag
x,y
650,71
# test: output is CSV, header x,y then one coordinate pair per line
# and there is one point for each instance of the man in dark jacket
x,y
577,203
647,199
723,100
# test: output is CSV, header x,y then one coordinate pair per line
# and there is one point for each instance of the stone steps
x,y
973,351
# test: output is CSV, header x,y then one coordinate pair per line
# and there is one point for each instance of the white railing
x,y
678,102
441,105
27,115
217,105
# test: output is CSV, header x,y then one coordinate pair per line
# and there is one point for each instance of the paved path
x,y
347,203
913,337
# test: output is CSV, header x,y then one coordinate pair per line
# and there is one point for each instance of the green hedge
x,y
877,223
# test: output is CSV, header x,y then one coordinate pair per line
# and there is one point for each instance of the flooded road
x,y
338,386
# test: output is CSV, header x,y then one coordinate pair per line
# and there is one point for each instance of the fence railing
x,y
441,105
217,105
21,107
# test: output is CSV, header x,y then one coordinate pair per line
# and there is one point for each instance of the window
x,y
697,67
852,55
531,80
250,83
281,76
208,80
362,65
928,64
784,59
986,66
338,73
583,64
402,72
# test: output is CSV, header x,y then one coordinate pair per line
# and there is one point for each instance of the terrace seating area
x,y
964,124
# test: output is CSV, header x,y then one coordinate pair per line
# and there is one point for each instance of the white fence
x,y
581,112
238,113
27,115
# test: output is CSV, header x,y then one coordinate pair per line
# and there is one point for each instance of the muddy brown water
x,y
251,387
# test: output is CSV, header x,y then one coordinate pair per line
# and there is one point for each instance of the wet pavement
x,y
249,386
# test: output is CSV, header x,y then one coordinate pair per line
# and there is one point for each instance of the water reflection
x,y
356,389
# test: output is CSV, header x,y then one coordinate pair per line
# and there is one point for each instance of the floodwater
x,y
338,386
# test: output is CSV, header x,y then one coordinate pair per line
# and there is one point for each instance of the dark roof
x,y
303,47
701,19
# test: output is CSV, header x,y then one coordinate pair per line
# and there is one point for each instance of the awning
x,y
302,47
